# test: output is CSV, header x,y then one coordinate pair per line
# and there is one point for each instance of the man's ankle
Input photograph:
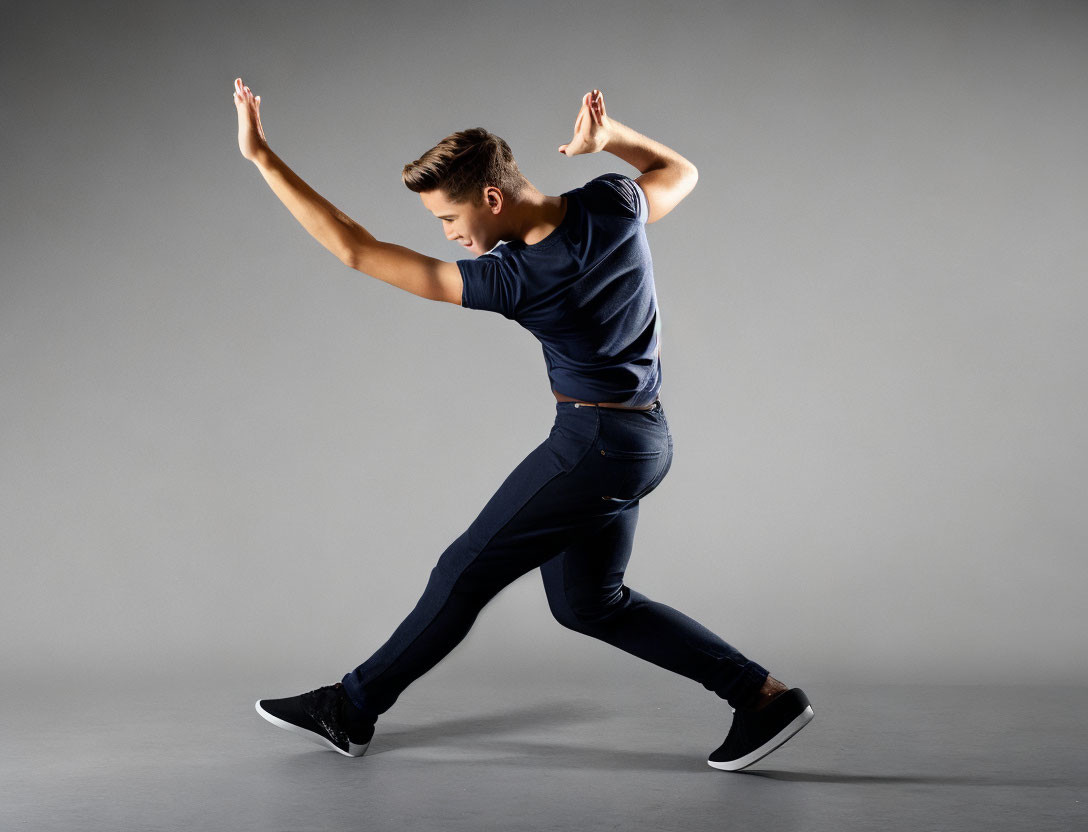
x,y
771,689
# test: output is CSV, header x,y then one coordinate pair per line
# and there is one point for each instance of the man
x,y
574,270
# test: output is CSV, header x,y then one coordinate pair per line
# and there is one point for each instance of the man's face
x,y
472,226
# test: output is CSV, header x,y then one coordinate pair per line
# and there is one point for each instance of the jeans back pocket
x,y
616,453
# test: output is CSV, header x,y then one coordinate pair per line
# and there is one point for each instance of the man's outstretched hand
x,y
251,140
591,128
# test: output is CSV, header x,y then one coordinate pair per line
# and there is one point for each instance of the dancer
x,y
574,270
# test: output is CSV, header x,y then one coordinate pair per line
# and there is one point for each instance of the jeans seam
x,y
590,445
449,591
453,585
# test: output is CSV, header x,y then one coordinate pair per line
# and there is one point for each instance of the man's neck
x,y
536,215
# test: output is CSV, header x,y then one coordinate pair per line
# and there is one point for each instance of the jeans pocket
x,y
615,453
626,475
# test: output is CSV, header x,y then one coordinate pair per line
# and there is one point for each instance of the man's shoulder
x,y
504,252
614,194
506,257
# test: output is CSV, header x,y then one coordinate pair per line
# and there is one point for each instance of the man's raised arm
x,y
667,177
352,244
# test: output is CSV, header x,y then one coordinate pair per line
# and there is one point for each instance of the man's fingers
x,y
586,104
593,101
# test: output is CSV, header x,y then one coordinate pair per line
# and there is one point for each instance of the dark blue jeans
x,y
570,508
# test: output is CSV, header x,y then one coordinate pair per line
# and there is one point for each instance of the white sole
x,y
774,742
355,749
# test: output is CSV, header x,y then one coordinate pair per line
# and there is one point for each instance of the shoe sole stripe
x,y
799,722
313,737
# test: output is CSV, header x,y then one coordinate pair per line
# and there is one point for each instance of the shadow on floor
x,y
545,715
899,780
438,740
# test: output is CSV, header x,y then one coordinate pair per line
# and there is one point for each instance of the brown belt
x,y
562,398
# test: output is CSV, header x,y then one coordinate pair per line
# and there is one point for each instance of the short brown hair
x,y
463,164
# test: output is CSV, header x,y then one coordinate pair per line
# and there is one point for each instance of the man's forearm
x,y
641,151
331,227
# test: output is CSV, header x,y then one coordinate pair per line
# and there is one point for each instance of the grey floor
x,y
542,753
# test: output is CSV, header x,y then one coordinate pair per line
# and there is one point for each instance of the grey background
x,y
223,453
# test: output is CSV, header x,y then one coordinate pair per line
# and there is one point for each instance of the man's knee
x,y
585,612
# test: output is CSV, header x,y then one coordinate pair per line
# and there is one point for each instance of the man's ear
x,y
493,198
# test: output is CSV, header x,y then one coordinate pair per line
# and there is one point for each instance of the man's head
x,y
465,180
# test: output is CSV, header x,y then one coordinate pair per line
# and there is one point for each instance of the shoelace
x,y
322,705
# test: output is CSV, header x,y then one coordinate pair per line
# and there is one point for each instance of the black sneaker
x,y
755,734
320,716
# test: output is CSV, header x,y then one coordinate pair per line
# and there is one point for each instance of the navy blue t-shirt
x,y
586,291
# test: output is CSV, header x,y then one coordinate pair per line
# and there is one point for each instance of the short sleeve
x,y
614,193
489,285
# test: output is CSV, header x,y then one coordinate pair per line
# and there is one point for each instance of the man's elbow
x,y
691,174
666,192
688,179
684,182
365,256
358,244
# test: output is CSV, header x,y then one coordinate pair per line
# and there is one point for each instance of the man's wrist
x,y
613,137
263,157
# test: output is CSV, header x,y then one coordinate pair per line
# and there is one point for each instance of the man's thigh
x,y
541,509
588,574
